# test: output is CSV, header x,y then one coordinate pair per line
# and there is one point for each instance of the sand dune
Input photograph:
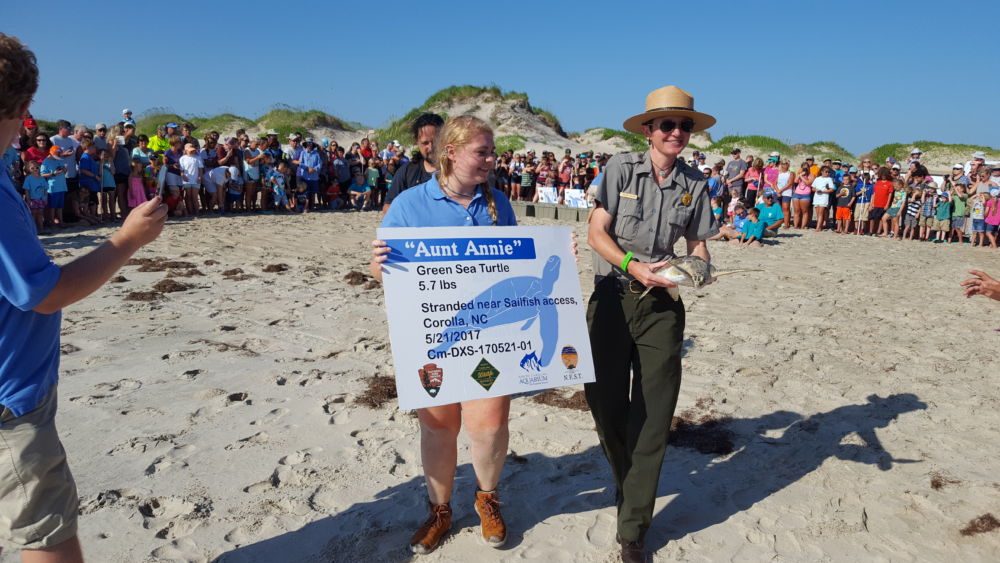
x,y
852,385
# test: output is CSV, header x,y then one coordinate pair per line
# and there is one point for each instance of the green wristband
x,y
626,260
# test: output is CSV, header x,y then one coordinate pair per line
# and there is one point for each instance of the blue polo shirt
x,y
425,205
29,341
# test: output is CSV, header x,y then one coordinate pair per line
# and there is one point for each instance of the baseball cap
x,y
100,125
979,155
769,193
916,151
775,153
958,167
295,137
811,158
171,124
735,151
896,166
126,110
30,123
397,143
891,160
55,150
853,170
836,161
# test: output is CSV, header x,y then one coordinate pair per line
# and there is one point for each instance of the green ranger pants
x,y
637,358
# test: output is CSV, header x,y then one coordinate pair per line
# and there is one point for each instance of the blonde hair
x,y
458,132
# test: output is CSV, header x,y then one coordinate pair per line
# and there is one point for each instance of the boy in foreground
x,y
38,499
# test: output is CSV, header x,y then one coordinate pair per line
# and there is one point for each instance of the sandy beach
x,y
841,405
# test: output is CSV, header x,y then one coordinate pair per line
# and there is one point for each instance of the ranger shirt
x,y
648,219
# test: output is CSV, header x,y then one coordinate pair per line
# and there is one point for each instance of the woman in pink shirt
x,y
802,196
753,178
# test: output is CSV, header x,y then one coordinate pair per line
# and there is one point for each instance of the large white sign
x,y
478,312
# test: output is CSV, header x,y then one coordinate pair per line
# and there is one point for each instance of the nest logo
x,y
570,359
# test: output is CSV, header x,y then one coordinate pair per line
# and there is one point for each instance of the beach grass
x,y
901,151
401,129
509,143
283,120
635,141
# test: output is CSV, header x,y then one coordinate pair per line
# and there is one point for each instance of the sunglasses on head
x,y
668,125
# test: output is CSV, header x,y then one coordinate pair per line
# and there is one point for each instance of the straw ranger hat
x,y
669,101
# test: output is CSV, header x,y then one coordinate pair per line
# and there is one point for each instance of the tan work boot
x,y
488,509
429,535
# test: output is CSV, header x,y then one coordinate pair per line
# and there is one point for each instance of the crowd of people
x,y
93,176
753,198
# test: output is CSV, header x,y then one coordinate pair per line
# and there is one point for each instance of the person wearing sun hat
x,y
645,202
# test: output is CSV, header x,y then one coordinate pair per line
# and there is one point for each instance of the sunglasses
x,y
668,125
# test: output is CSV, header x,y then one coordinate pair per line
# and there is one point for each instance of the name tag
x,y
628,195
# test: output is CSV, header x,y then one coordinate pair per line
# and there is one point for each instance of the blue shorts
x,y
57,200
312,186
979,225
786,199
990,228
806,197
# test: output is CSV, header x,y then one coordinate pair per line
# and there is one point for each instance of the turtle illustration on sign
x,y
513,300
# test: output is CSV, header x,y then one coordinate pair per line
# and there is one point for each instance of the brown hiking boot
x,y
633,551
429,535
488,509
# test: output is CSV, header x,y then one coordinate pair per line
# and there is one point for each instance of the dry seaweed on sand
x,y
373,284
355,277
184,273
380,390
143,296
118,279
274,268
170,286
939,481
555,398
706,434
985,523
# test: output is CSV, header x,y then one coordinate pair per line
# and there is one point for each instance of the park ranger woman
x,y
645,202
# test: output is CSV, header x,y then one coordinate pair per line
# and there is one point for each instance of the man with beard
x,y
418,170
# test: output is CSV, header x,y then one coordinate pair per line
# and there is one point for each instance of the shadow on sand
x,y
536,487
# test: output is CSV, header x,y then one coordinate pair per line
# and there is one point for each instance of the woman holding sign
x,y
457,196
645,202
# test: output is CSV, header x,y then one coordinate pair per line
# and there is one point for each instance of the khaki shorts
x,y
942,224
927,221
38,500
861,211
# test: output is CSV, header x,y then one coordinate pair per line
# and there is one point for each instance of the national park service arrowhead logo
x,y
569,357
485,374
431,377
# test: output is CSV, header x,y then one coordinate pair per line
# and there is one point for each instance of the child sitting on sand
x,y
359,191
302,198
753,230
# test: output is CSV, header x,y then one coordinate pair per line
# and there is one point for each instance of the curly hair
x,y
18,77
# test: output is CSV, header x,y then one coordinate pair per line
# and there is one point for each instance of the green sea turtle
x,y
518,299
690,271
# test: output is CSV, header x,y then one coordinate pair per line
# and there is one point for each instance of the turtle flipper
x,y
548,327
528,324
674,292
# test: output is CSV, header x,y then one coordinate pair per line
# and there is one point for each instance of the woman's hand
x,y
380,253
982,284
644,273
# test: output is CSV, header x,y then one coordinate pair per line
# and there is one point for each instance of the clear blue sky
x,y
861,73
